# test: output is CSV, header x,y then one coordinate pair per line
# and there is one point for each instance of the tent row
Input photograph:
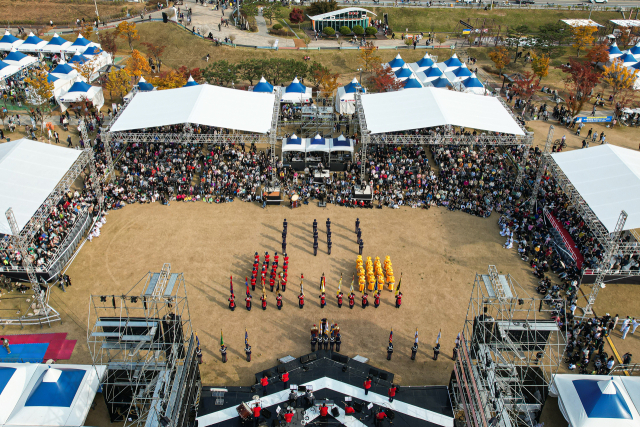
x,y
629,58
34,44
14,63
317,144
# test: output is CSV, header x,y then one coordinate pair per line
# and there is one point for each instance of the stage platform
x,y
332,377
361,194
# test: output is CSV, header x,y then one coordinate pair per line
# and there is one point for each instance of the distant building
x,y
347,17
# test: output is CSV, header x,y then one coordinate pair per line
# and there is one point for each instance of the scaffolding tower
x,y
510,348
145,340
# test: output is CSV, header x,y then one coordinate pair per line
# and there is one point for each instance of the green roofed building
x,y
347,17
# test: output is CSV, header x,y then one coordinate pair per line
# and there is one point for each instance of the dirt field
x,y
62,12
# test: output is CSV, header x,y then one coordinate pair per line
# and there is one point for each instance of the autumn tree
x,y
582,37
316,72
155,52
384,79
41,91
108,42
368,58
598,53
168,80
618,77
195,73
327,81
137,65
296,16
500,56
526,85
579,81
84,31
119,82
86,69
540,65
128,31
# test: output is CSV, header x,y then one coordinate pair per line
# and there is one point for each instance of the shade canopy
x,y
32,43
56,45
627,59
608,179
263,86
597,400
7,70
635,50
431,107
9,41
404,72
293,143
203,105
144,86
341,144
425,62
78,59
396,62
91,51
462,73
296,87
353,86
80,45
441,82
412,83
29,172
190,82
19,59
453,63
614,51
317,144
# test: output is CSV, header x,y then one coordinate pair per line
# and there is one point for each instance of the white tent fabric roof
x,y
203,104
608,179
42,395
29,172
431,107
596,400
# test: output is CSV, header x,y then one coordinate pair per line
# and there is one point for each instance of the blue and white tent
x,y
78,59
8,42
7,70
317,144
296,92
432,74
473,85
404,73
32,43
80,45
64,71
341,144
143,86
627,59
635,50
56,45
346,97
81,91
598,400
190,82
441,82
92,50
19,59
293,143
614,51
263,86
412,83
424,63
396,63
462,73
453,63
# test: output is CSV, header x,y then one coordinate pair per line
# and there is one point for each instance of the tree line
x,y
277,71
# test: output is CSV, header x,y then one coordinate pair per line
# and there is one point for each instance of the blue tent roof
x,y
425,62
3,65
453,61
462,72
317,140
56,41
93,50
8,38
295,87
472,82
341,141
80,41
441,82
5,376
412,83
434,72
352,86
190,82
32,40
636,66
294,140
80,87
15,56
635,50
405,71
396,62
144,86
613,49
77,58
263,86
51,78
628,58
59,393
63,69
602,399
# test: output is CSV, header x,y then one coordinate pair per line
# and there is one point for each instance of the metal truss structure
x,y
510,348
450,139
273,134
43,312
365,134
146,341
542,167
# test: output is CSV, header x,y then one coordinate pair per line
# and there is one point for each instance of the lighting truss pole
x,y
542,167
273,135
49,314
605,265
364,133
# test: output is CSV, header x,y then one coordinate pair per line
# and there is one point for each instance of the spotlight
x,y
520,301
134,300
103,298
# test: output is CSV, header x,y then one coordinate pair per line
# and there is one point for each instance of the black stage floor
x,y
333,377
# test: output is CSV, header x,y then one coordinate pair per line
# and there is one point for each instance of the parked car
x,y
524,2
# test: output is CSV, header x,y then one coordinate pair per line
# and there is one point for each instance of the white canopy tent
x,y
293,144
7,70
81,91
32,43
9,42
56,45
317,144
346,97
341,144
608,179
597,400
43,395
430,107
29,172
203,105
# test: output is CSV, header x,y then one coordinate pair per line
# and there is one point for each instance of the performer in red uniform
x,y
263,298
279,301
348,410
398,299
340,299
301,300
352,300
367,385
285,379
324,411
248,300
288,416
323,300
392,392
253,282
272,282
376,299
365,303
264,382
232,302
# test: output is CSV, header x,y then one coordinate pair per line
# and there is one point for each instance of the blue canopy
x,y
80,87
425,62
635,50
341,141
434,72
462,72
296,87
51,78
77,58
404,72
628,58
396,62
56,41
8,38
144,86
63,69
190,82
453,61
92,50
441,82
352,86
602,399
293,139
34,40
412,83
263,86
80,41
317,140
636,66
15,56
472,82
613,49
3,65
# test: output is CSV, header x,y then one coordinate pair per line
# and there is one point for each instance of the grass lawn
x,y
62,12
445,20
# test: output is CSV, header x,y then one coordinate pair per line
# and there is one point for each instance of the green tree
x,y
250,70
358,30
550,37
329,31
515,39
320,7
315,71
345,31
371,31
221,73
